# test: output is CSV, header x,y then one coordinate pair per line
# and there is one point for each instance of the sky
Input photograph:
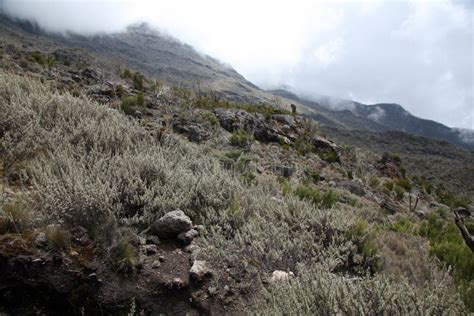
x,y
415,53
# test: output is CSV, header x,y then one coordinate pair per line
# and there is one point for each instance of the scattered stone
x,y
436,205
152,239
80,236
199,270
212,290
187,237
156,264
171,224
150,249
141,241
281,276
161,258
178,283
41,240
464,212
74,253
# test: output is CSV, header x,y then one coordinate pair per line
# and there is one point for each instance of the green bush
x,y
126,74
374,181
330,156
138,81
210,117
140,99
241,138
325,200
284,185
127,104
38,58
58,238
303,146
404,225
404,183
388,185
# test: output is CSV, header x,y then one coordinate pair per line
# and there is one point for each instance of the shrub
x,y
330,156
374,182
123,256
37,57
14,217
404,183
391,158
138,81
399,192
404,225
388,185
58,238
241,138
284,185
128,103
325,200
210,117
120,91
126,74
303,146
140,99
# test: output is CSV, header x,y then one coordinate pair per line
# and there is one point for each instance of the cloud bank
x,y
415,53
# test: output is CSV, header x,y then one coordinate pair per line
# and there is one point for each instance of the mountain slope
x,y
378,118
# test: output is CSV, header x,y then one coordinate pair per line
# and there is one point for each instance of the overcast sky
x,y
415,53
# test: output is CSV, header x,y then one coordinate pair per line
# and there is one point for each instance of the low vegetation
x,y
91,166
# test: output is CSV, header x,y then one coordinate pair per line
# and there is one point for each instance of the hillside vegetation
x,y
71,162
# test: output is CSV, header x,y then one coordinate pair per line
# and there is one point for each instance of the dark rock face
x,y
196,132
234,119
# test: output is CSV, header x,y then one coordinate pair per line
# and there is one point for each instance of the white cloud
x,y
416,53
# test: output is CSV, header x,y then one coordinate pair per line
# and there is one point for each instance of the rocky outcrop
x,y
195,132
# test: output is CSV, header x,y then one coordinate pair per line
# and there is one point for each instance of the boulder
x,y
199,270
195,132
281,276
172,224
234,119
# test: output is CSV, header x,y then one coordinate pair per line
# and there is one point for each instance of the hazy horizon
x,y
414,53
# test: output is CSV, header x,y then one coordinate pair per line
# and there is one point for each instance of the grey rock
x,y
195,132
41,240
156,264
463,211
284,119
172,224
149,249
187,237
199,270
